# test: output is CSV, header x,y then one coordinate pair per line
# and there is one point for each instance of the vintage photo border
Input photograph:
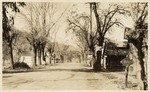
x,y
71,1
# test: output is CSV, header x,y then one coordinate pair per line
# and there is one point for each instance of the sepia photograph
x,y
74,45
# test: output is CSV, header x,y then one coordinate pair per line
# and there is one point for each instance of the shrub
x,y
21,65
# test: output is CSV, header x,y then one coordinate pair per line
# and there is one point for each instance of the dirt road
x,y
64,76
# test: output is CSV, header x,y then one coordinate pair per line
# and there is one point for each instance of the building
x,y
112,56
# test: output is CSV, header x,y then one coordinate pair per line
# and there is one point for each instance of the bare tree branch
x,y
56,21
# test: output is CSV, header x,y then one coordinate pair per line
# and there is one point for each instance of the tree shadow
x,y
16,71
68,70
61,70
6,76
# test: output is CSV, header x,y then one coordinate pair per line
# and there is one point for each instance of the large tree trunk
x,y
139,68
11,55
140,56
39,56
97,63
93,59
142,74
50,58
54,58
43,55
62,58
43,52
35,56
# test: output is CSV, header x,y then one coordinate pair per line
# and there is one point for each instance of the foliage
x,y
41,21
86,39
21,46
9,33
139,12
138,42
106,19
8,21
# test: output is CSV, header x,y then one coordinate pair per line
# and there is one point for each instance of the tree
x,y
21,45
138,42
33,41
126,62
50,49
105,20
63,49
41,21
39,26
80,24
8,22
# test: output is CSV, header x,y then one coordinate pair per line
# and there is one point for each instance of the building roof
x,y
111,49
116,52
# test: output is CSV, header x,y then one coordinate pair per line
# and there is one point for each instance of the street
x,y
64,76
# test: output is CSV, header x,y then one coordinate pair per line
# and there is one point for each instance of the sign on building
x,y
127,32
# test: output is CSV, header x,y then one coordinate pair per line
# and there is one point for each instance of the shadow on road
x,y
60,69
71,70
49,70
53,70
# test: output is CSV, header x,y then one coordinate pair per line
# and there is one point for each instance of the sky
x,y
116,33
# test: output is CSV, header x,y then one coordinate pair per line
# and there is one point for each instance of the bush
x,y
21,65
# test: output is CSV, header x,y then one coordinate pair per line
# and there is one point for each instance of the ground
x,y
64,76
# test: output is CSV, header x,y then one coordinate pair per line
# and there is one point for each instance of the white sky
x,y
117,33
